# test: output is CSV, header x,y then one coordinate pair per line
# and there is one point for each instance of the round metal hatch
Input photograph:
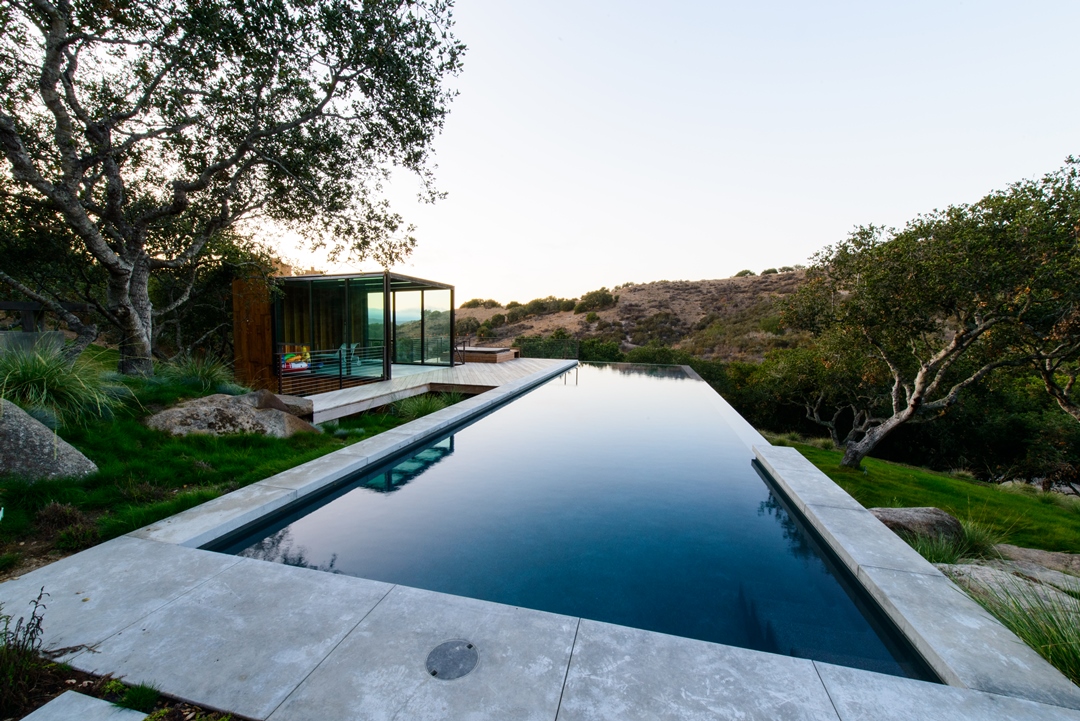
x,y
452,659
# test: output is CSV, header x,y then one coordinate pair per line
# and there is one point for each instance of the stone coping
x,y
214,519
269,641
958,638
72,705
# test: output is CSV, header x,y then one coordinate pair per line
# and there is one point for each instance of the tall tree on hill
x,y
955,295
150,127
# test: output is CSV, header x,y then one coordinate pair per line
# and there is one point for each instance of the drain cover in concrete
x,y
452,659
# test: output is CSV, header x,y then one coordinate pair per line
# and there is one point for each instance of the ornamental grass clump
x,y
204,372
977,540
1048,622
419,406
55,391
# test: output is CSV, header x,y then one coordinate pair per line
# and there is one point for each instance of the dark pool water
x,y
617,493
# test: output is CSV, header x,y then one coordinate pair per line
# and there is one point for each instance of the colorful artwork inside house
x,y
318,333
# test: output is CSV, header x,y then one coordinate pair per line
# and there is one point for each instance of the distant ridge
x,y
724,319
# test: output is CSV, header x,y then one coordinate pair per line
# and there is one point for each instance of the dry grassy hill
x,y
726,319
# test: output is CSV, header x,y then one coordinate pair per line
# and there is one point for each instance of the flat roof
x,y
398,281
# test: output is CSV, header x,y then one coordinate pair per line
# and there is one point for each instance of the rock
x,y
1039,574
982,580
1064,562
930,522
263,399
29,449
222,414
298,406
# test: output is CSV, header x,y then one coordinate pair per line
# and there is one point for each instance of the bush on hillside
x,y
595,300
744,273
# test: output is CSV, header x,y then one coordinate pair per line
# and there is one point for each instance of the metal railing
x,y
303,372
567,348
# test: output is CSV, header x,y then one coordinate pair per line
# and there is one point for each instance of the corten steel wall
x,y
253,335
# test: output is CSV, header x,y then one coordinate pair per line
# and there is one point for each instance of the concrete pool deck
x,y
269,641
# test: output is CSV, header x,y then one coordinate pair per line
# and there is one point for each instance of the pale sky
x,y
595,143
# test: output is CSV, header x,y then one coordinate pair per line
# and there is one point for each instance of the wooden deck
x,y
468,378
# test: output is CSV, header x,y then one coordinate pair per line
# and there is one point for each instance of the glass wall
x,y
365,345
408,339
437,311
328,314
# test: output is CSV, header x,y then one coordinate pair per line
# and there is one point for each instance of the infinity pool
x,y
618,493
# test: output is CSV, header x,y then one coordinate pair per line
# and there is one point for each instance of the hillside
x,y
724,319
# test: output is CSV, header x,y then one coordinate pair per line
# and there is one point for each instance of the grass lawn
x,y
146,475
1034,520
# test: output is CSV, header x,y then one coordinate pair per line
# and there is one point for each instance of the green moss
x,y
1020,519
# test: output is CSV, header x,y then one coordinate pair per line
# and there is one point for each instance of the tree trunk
x,y
856,451
131,305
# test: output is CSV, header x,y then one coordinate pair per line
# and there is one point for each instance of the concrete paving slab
x,y
72,706
859,695
619,673
213,519
97,593
801,480
963,643
242,641
860,539
379,673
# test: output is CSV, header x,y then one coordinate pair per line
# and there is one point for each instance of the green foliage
x,y
203,372
513,304
467,326
744,273
481,303
141,697
20,662
665,328
769,271
976,541
600,351
556,346
595,300
1020,519
592,317
418,406
1045,622
498,320
8,561
72,393
994,280
515,314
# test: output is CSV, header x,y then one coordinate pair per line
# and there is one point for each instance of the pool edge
x,y
958,638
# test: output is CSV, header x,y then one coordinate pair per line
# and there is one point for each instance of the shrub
x,y
489,304
55,517
20,661
8,561
467,326
47,385
419,406
595,300
769,271
498,320
513,304
786,269
473,303
203,372
515,314
592,317
744,273
595,349
976,541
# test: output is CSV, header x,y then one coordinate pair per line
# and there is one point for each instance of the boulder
x,y
293,405
222,414
30,449
298,406
981,580
930,522
1064,562
261,399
